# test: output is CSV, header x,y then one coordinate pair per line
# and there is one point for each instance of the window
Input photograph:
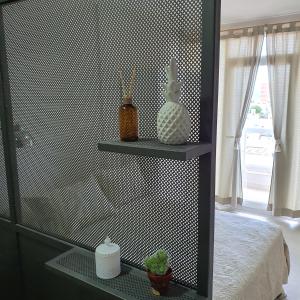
x,y
258,142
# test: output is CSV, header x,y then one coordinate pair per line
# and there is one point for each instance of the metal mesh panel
x,y
63,60
4,204
81,265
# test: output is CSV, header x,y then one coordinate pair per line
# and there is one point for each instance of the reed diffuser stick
x,y
132,81
122,82
128,92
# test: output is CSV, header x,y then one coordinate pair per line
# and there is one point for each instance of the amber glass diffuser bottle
x,y
128,113
128,121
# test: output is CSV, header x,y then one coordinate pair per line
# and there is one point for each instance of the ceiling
x,y
247,11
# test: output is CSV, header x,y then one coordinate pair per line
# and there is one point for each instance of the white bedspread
x,y
250,261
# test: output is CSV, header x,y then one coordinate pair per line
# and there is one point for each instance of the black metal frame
x,y
208,116
8,132
208,129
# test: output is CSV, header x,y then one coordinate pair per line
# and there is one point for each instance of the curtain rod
x,y
262,22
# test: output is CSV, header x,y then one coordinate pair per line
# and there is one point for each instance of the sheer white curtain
x,y
240,52
283,56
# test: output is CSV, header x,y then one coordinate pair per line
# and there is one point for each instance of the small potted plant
x,y
159,271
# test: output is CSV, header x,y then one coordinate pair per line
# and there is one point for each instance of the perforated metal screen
x,y
4,204
78,264
63,59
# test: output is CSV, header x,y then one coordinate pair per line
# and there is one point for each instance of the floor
x,y
255,198
291,232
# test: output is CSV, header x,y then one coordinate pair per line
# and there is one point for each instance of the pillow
x,y
41,213
93,205
82,204
66,201
29,217
69,208
122,184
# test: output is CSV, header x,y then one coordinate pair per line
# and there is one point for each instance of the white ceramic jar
x,y
108,261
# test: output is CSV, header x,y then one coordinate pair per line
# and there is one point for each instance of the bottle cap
x,y
108,248
127,99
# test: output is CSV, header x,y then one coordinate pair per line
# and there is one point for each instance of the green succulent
x,y
158,263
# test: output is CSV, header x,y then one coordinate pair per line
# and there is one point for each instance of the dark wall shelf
x,y
79,264
153,148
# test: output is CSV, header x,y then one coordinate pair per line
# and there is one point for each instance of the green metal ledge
x,y
132,284
153,148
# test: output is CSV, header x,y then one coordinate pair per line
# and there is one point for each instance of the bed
x,y
251,258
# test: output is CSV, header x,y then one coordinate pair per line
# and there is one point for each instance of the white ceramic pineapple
x,y
173,119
